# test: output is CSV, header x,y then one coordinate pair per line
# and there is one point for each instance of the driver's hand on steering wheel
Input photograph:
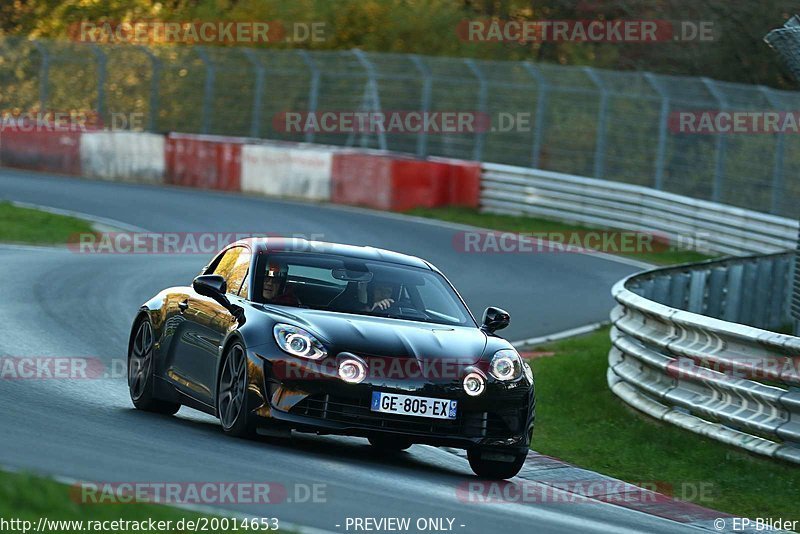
x,y
384,304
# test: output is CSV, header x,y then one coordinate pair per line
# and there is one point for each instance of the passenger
x,y
275,290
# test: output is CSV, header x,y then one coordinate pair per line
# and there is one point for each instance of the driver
x,y
274,290
381,296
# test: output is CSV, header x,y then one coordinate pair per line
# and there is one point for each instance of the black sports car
x,y
278,335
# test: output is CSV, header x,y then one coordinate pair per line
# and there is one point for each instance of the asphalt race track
x,y
55,302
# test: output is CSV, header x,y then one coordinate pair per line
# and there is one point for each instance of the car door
x,y
206,322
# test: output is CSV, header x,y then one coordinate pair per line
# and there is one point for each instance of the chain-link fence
x,y
585,121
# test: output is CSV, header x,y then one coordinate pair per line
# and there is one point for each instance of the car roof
x,y
300,245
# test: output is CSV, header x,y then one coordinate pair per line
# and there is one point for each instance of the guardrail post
x,y
483,89
258,92
777,162
44,75
313,88
721,142
208,89
602,118
425,103
541,109
102,60
663,121
679,285
733,293
155,78
372,90
697,291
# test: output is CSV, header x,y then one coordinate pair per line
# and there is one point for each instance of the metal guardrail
x,y
679,355
599,203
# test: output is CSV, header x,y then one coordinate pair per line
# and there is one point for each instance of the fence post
x,y
313,88
44,74
663,120
102,59
777,162
427,87
258,90
719,166
372,89
480,140
602,118
208,90
541,103
155,77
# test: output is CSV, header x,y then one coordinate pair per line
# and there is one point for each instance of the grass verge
x,y
524,224
31,226
579,420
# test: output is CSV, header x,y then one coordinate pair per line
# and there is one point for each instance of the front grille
x,y
356,411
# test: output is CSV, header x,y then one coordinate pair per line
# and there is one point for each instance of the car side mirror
x,y
214,286
210,285
495,319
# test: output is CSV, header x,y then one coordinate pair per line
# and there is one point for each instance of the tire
x,y
495,469
140,372
389,444
232,394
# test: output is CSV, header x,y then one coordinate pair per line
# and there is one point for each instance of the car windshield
x,y
349,285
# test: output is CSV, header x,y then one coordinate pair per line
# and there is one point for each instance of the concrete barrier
x,y
41,150
205,162
391,182
123,156
287,171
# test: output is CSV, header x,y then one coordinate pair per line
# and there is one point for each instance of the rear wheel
x,y
496,465
389,444
140,372
232,396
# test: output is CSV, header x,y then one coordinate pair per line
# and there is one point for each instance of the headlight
x,y
298,342
506,365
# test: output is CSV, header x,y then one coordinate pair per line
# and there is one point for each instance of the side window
x,y
233,267
238,281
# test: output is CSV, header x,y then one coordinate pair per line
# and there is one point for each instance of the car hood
x,y
391,338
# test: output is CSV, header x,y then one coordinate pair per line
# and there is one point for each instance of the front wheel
x,y
495,465
232,396
389,444
140,372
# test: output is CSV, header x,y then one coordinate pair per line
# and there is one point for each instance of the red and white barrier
x,y
123,156
311,172
286,171
205,162
41,150
398,183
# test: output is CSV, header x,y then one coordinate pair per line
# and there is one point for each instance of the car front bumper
x,y
500,418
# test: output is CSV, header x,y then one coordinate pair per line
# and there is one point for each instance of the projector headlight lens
x,y
474,384
298,342
352,371
506,365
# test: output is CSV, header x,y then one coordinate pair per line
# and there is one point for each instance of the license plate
x,y
412,405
